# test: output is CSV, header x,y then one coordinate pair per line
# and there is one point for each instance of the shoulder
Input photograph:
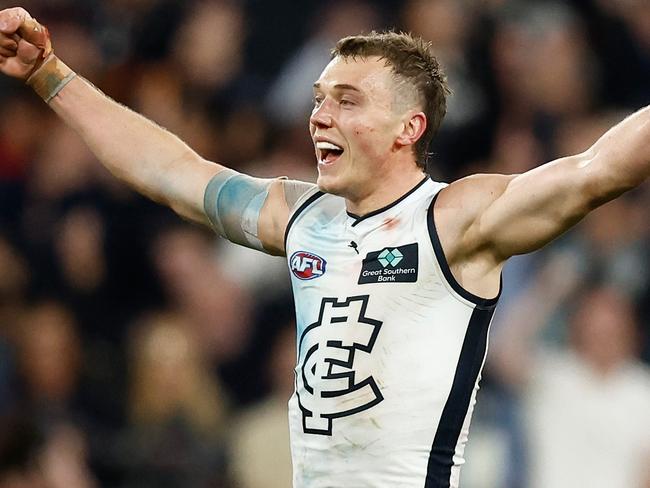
x,y
473,193
459,207
313,208
300,195
639,374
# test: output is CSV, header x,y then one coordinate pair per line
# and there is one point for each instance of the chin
x,y
329,184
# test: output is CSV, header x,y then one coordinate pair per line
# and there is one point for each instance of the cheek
x,y
372,141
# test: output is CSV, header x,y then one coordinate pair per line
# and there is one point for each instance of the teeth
x,y
328,145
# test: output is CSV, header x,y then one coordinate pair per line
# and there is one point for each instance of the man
x,y
586,404
395,276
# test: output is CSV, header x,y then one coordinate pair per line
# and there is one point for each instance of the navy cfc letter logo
x,y
329,376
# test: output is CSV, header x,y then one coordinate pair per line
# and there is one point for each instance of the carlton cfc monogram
x,y
327,377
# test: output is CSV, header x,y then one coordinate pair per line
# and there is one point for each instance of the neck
x,y
389,189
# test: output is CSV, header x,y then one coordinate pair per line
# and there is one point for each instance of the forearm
x,y
149,158
144,155
620,159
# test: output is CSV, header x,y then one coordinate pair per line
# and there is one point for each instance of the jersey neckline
x,y
360,218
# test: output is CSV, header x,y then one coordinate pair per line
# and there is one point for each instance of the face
x,y
354,125
604,329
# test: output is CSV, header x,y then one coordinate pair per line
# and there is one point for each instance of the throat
x,y
383,198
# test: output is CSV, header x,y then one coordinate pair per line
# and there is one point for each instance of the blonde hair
x,y
169,376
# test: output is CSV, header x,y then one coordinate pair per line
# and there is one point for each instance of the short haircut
x,y
410,59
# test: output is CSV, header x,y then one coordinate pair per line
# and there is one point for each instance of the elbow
x,y
599,190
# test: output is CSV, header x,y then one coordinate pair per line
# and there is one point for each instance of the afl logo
x,y
306,266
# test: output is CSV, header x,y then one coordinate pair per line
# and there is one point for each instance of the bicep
x,y
533,208
250,211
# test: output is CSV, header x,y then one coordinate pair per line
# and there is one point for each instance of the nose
x,y
321,116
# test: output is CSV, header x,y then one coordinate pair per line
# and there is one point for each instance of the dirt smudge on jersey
x,y
390,223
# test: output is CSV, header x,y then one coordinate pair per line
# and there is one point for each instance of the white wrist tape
x,y
50,78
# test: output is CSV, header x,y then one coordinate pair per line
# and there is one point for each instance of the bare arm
x,y
519,214
158,164
137,151
149,158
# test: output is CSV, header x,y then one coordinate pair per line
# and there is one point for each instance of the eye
x,y
345,102
318,99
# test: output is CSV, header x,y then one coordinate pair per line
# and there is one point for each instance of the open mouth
x,y
328,153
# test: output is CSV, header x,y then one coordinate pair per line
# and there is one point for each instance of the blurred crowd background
x,y
140,351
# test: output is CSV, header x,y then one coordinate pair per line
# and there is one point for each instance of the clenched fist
x,y
24,43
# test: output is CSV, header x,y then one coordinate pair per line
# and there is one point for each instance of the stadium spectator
x,y
586,404
260,441
177,411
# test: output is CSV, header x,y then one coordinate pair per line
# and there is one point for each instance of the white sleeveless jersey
x,y
390,346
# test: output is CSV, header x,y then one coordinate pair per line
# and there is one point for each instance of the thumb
x,y
36,34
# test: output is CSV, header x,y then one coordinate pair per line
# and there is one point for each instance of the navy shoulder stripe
x,y
446,271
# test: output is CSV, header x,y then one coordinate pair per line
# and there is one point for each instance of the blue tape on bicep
x,y
233,203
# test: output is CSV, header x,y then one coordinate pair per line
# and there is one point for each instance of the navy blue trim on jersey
x,y
361,218
442,260
298,211
472,355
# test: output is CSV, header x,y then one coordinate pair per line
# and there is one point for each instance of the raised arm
x,y
511,215
150,159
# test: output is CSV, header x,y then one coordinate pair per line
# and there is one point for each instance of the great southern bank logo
x,y
306,265
390,257
390,265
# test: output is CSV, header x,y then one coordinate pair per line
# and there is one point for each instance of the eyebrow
x,y
340,86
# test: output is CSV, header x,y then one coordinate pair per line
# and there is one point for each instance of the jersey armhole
x,y
446,270
301,205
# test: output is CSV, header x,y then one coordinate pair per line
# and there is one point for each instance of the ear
x,y
412,129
